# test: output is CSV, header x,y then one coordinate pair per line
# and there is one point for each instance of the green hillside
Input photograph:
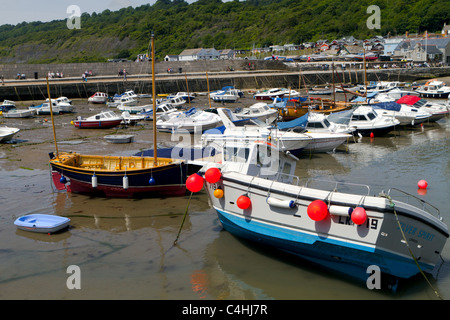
x,y
210,23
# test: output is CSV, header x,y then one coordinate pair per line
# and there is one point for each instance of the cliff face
x,y
89,50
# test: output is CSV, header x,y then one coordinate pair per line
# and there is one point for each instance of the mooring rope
x,y
392,205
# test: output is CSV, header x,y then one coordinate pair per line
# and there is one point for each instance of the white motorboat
x,y
19,113
7,105
63,103
405,114
193,120
434,89
270,94
315,122
253,129
185,95
98,97
366,121
127,94
163,108
176,101
259,110
131,119
102,120
7,133
437,110
227,94
344,227
44,108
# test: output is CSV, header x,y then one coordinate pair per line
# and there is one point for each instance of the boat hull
x,y
42,223
167,180
86,124
334,242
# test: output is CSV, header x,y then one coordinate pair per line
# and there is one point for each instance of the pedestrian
x,y
124,75
83,77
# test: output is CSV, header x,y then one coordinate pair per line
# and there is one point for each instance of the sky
x,y
17,11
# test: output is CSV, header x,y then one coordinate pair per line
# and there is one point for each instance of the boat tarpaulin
x,y
342,117
298,122
410,100
392,106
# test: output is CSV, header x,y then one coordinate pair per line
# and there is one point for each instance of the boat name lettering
x,y
370,223
412,230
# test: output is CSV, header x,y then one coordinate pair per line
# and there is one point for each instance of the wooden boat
x,y
345,228
117,176
295,108
102,120
42,223
7,133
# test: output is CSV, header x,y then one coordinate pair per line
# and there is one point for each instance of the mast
x,y
365,72
155,147
207,83
51,115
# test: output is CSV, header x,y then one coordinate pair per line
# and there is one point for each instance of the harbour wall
x,y
194,78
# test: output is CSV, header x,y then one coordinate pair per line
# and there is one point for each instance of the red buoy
x,y
372,135
243,202
422,184
317,210
212,175
194,182
359,215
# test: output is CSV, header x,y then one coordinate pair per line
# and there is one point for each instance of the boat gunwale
x,y
389,210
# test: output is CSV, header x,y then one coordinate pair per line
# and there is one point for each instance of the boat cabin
x,y
258,158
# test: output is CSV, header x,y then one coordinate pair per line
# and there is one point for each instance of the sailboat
x,y
121,176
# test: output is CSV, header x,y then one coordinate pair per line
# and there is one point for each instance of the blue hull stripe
x,y
342,256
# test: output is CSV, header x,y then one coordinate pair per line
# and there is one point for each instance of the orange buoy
x,y
317,210
218,193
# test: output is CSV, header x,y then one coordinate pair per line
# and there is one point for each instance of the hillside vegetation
x,y
178,25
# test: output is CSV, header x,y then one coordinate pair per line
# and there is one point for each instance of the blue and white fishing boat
x,y
42,223
258,197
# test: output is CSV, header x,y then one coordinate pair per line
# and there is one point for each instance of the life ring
x,y
131,165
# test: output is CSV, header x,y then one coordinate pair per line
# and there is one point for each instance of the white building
x,y
199,54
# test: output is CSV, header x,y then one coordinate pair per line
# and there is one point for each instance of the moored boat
x,y
260,111
98,97
102,120
7,133
434,89
339,227
42,223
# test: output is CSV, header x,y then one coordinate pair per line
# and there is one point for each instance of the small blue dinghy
x,y
42,223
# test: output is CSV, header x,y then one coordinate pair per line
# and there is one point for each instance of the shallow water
x,y
124,247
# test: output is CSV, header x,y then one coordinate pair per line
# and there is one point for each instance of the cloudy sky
x,y
17,11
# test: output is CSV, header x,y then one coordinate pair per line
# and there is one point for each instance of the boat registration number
x,y
371,223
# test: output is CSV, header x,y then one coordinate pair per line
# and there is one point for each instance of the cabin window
x,y
326,123
371,115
